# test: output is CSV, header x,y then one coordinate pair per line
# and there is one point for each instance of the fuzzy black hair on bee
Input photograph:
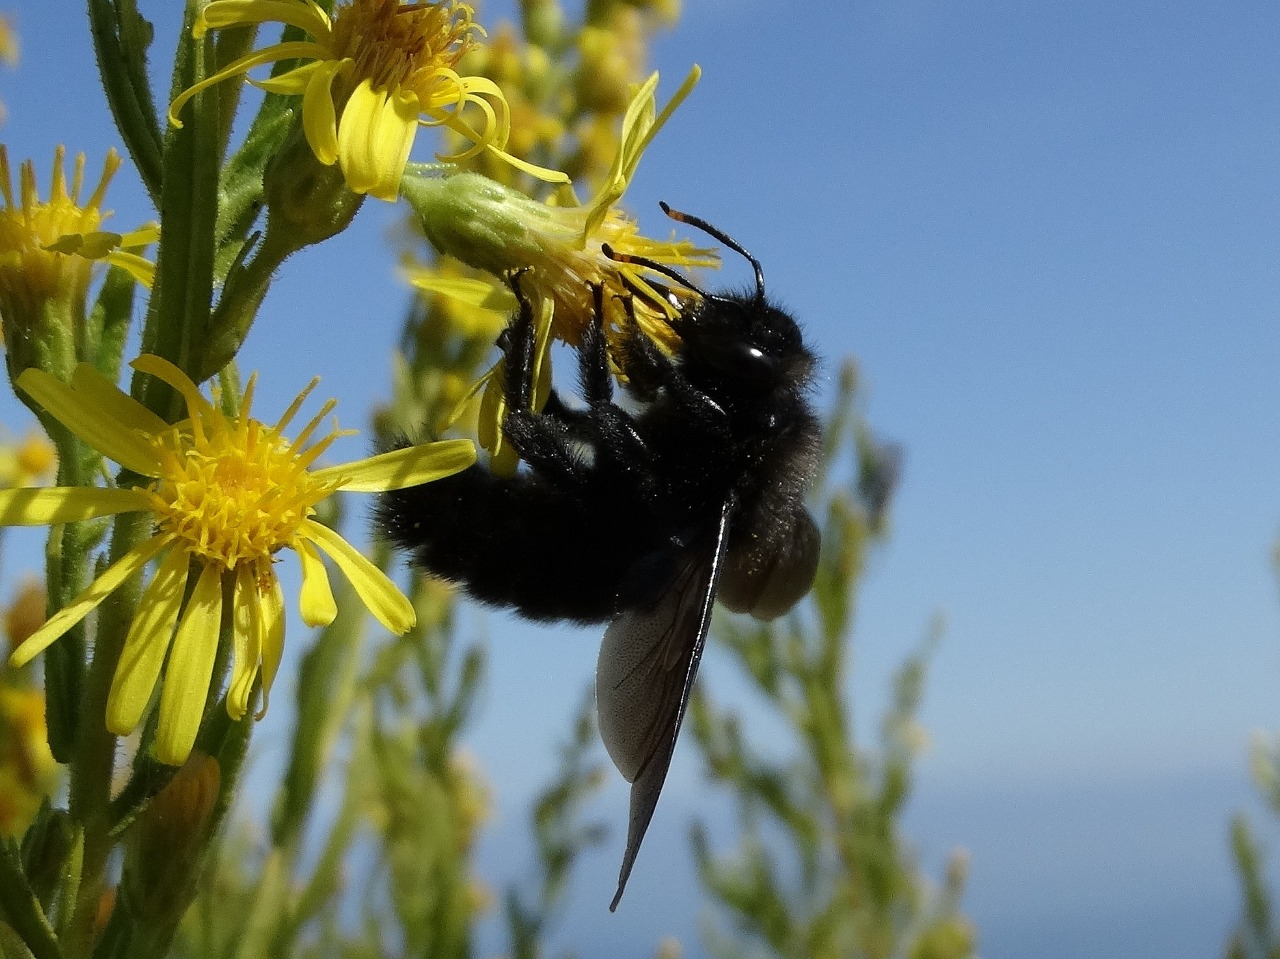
x,y
641,519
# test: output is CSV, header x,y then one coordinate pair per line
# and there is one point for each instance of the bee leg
x,y
621,456
594,378
649,370
517,343
543,440
594,375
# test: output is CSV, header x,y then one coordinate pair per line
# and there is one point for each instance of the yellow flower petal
x,y
144,235
97,390
80,607
271,613
315,601
319,118
388,605
411,466
138,267
391,140
308,17
639,127
197,406
292,82
460,407
473,291
247,642
186,680
355,137
95,426
300,50
545,174
30,506
147,644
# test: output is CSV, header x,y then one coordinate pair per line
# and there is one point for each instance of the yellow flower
x,y
499,230
561,249
47,248
374,72
8,42
228,494
30,461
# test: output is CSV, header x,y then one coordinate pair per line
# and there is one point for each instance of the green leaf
x,y
20,908
121,37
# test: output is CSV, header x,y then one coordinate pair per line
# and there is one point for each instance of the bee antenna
x,y
718,234
657,267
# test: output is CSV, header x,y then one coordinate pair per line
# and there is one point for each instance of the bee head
x,y
737,339
743,338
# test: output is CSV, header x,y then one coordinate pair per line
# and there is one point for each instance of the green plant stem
x,y
93,767
120,40
178,310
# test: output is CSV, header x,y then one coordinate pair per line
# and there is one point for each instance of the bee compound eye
x,y
739,359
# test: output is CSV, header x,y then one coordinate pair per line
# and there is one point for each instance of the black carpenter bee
x,y
641,519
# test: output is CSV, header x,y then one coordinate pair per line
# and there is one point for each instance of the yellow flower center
x,y
237,490
29,272
404,46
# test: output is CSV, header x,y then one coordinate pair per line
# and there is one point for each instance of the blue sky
x,y
1049,234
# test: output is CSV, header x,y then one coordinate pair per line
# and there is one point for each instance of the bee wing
x,y
643,680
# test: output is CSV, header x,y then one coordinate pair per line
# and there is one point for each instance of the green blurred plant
x,y
1256,934
561,836
822,868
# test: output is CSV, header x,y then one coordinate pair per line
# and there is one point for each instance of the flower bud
x,y
169,841
307,201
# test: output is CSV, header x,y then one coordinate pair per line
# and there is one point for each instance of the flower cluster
x,y
226,493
